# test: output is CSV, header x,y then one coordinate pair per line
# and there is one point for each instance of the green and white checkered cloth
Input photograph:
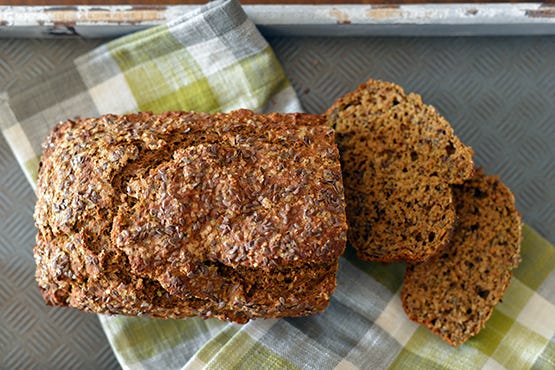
x,y
214,59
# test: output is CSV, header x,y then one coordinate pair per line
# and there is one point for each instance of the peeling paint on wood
x,y
472,11
134,15
341,16
91,15
321,20
545,11
384,11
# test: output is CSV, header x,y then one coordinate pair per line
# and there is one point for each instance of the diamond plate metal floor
x,y
33,335
496,92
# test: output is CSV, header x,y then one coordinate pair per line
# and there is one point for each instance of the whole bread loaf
x,y
235,216
399,158
455,292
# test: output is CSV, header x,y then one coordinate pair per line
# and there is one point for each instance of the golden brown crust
x,y
234,215
455,292
399,159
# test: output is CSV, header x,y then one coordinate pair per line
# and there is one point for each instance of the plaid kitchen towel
x,y
214,59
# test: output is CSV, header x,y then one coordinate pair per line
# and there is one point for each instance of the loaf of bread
x,y
455,292
235,216
399,159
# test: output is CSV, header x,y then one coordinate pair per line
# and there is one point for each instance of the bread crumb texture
x,y
455,292
399,158
234,216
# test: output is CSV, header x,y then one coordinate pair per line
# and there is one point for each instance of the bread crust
x,y
235,216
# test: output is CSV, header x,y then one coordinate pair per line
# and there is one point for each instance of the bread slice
x,y
399,158
455,292
234,216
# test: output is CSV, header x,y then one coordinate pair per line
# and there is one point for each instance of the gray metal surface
x,y
32,335
498,93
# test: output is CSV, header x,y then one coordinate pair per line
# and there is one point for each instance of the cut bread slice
x,y
399,159
455,292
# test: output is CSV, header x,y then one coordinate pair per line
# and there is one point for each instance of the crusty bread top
x,y
234,188
399,158
176,215
455,292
